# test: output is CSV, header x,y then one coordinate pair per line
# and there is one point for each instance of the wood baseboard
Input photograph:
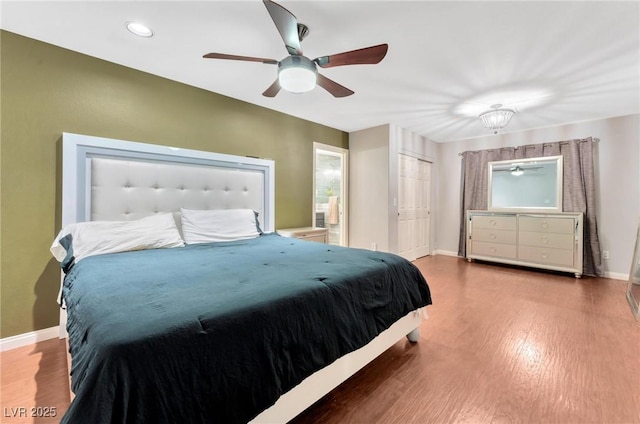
x,y
26,339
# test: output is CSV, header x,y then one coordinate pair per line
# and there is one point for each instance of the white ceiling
x,y
555,62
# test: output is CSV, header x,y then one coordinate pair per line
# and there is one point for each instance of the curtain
x,y
578,191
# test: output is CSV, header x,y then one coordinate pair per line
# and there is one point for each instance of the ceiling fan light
x,y
297,74
517,171
297,80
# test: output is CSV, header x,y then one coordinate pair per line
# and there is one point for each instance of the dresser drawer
x,y
552,240
494,236
546,225
493,249
494,222
543,255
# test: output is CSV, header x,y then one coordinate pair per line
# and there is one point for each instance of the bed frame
x,y
107,179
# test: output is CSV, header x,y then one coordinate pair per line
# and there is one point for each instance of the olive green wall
x,y
47,90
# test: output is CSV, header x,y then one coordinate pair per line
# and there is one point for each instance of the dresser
x,y
542,240
316,234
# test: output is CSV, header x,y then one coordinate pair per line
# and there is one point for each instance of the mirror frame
x,y
633,280
525,208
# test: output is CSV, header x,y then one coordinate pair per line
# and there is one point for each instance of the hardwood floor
x,y
501,344
34,383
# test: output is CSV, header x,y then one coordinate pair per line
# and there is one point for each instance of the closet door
x,y
423,209
408,170
414,207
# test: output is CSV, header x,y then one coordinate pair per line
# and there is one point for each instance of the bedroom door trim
x,y
343,200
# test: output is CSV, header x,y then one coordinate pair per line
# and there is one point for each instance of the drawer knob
x,y
492,236
545,240
544,255
492,249
544,224
493,222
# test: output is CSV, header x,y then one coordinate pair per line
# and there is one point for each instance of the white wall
x,y
617,171
373,183
369,188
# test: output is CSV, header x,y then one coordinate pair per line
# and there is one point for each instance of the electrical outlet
x,y
374,246
605,254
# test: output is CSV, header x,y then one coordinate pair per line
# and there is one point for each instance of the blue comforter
x,y
215,333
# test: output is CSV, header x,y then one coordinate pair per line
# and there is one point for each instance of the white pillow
x,y
101,237
205,226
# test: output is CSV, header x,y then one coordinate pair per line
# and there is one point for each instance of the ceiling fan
x,y
518,170
296,72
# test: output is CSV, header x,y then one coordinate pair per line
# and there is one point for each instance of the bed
x,y
227,331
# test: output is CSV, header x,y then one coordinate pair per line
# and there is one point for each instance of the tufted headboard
x,y
106,179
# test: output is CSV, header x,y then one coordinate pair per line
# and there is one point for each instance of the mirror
x,y
526,185
633,291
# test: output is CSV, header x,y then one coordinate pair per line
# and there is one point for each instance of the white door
x,y
330,197
406,206
423,209
414,207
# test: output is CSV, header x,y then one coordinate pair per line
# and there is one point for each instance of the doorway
x,y
330,186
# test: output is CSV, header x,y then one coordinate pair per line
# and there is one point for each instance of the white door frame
x,y
344,189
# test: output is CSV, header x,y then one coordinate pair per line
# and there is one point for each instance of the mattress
x,y
217,332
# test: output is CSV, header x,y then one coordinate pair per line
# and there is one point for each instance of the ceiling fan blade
x,y
333,87
273,89
367,56
234,57
287,25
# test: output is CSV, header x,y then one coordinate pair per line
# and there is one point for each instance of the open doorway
x,y
330,186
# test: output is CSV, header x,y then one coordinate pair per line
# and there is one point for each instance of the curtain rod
x,y
595,140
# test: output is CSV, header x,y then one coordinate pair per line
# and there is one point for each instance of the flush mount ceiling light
x,y
496,118
297,74
139,29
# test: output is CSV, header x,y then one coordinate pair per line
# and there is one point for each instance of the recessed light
x,y
139,29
